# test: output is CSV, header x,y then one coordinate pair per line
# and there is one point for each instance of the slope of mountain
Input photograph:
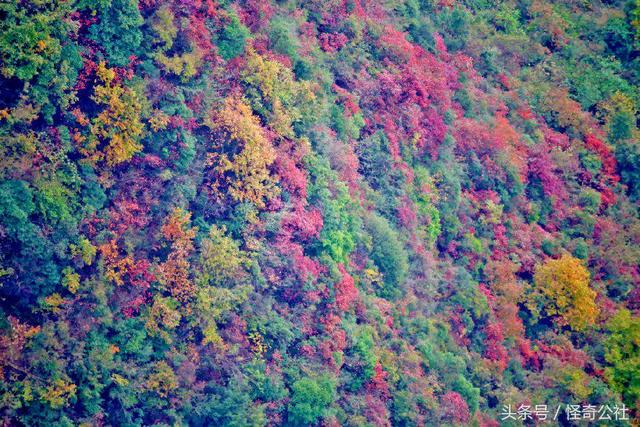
x,y
319,212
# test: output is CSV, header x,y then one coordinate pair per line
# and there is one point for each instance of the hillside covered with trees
x,y
319,212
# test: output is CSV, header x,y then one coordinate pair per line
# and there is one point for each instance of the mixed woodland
x,y
318,212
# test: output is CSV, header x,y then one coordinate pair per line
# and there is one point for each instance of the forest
x,y
319,213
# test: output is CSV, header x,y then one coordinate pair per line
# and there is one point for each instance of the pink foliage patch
x,y
345,290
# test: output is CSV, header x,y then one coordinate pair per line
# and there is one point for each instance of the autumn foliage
x,y
318,213
242,154
563,286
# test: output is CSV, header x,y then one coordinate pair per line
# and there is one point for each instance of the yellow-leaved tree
x,y
561,291
241,154
223,281
118,125
275,95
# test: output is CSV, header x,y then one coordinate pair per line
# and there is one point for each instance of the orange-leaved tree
x,y
174,272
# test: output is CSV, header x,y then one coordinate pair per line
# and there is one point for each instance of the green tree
x,y
310,400
36,48
628,157
389,255
118,30
280,35
232,39
623,356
